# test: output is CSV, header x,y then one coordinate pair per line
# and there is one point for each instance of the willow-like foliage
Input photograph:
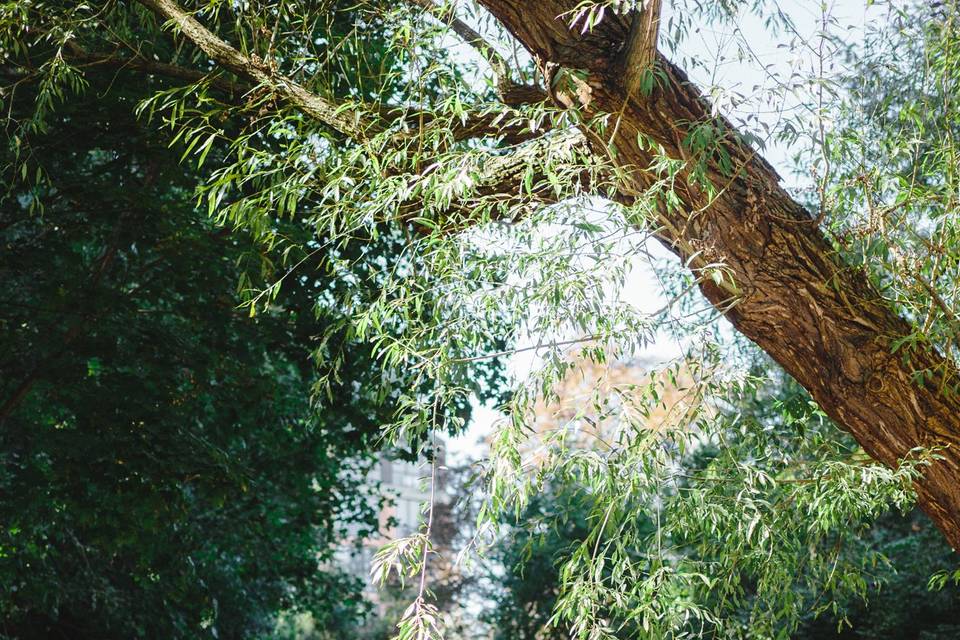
x,y
426,125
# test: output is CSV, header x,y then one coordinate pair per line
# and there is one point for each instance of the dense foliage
x,y
164,471
413,191
896,556
524,581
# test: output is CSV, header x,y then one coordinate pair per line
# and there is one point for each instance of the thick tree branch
x,y
504,176
819,318
355,125
497,125
499,175
506,184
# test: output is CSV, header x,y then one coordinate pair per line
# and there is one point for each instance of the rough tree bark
x,y
816,316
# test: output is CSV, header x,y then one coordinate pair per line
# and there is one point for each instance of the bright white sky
x,y
757,85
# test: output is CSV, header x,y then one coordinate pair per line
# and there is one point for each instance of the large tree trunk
x,y
795,298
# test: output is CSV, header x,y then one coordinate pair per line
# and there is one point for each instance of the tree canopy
x,y
429,188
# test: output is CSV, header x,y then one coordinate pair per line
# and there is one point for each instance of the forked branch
x,y
359,123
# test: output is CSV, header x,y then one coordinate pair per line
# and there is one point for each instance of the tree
x,y
903,607
464,173
896,555
164,472
526,583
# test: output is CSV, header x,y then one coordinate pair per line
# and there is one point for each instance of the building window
x,y
406,474
408,516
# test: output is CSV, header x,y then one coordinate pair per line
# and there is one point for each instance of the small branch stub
x,y
641,49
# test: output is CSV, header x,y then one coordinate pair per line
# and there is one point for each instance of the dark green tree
x,y
901,604
163,469
171,464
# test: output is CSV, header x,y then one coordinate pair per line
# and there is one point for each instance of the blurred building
x,y
408,484
595,402
406,489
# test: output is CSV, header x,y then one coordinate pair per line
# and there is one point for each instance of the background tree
x,y
164,471
894,557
